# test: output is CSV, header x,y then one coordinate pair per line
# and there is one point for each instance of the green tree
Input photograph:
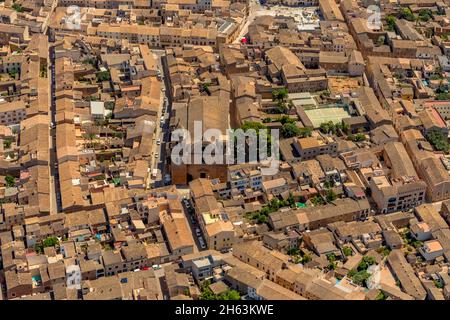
x,y
317,200
345,128
425,14
109,105
262,219
229,295
381,296
357,137
438,284
305,132
327,127
293,251
280,94
369,260
331,266
439,71
280,97
17,7
205,87
383,251
406,13
10,181
360,277
13,74
365,262
206,292
438,140
7,143
347,251
443,96
291,200
289,130
50,242
330,196
90,61
306,258
103,76
329,184
253,125
381,40
286,119
362,266
331,257
390,20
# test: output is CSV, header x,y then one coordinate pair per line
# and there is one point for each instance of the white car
x,y
158,142
156,267
198,232
156,154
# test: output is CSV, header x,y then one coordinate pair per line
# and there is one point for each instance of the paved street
x,y
254,8
55,192
162,133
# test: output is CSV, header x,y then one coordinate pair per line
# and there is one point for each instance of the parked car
x,y
187,203
156,267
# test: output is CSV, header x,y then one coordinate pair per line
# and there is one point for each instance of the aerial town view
x,y
224,150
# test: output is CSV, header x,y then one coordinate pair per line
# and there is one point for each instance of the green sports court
x,y
321,115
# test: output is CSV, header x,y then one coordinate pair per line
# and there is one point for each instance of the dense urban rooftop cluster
x,y
93,206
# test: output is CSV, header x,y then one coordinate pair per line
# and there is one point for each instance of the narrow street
x,y
254,7
55,198
162,134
